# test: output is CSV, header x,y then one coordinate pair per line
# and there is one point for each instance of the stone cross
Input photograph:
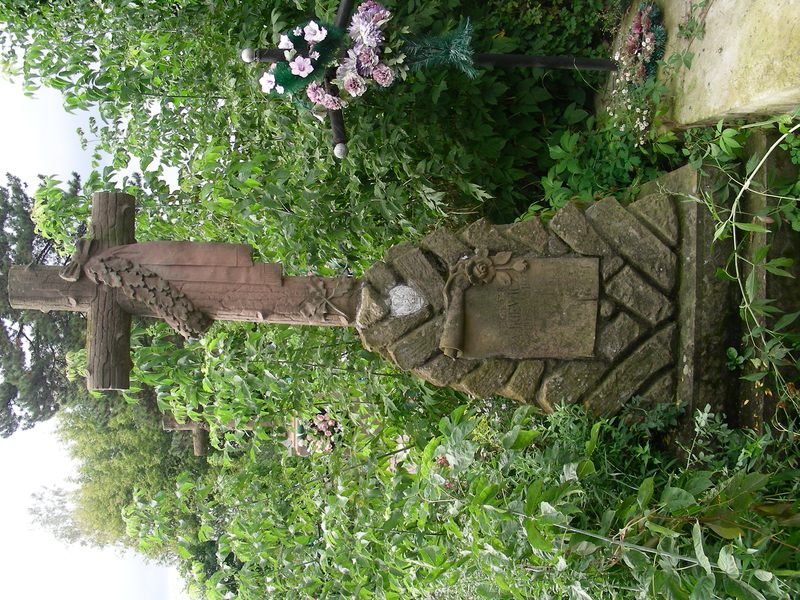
x,y
188,284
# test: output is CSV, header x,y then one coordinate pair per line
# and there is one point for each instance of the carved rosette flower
x,y
482,268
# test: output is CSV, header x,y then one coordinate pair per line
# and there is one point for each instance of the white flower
x,y
561,564
267,82
279,89
301,66
313,55
285,43
297,30
314,33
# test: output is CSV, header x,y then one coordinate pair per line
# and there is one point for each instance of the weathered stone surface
x,y
567,382
744,64
610,266
634,241
442,370
708,317
417,346
627,377
684,180
415,269
371,308
393,252
548,310
661,391
531,233
629,289
487,379
555,247
524,382
389,331
658,212
446,246
571,225
404,300
607,308
381,277
482,234
617,336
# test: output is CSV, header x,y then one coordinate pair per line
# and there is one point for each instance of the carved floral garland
x,y
150,289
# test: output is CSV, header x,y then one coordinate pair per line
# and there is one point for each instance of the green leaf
x,y
697,541
535,538
751,163
786,320
645,493
676,499
518,439
661,530
591,443
750,286
585,468
704,588
725,531
524,439
532,497
754,227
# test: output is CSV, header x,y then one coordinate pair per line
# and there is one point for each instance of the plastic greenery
x,y
452,49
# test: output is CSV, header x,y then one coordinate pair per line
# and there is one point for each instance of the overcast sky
x,y
39,137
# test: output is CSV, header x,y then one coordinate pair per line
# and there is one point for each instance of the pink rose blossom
x,y
354,85
383,75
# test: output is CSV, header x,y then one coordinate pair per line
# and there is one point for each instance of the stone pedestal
x,y
744,65
661,319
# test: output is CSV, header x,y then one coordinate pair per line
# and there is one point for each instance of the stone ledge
x,y
412,266
630,290
633,240
413,349
524,382
630,375
487,379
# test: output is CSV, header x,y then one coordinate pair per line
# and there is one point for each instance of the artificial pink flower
x,y
354,85
267,82
301,66
383,75
285,43
313,33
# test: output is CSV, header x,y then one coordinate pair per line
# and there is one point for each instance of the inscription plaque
x,y
549,310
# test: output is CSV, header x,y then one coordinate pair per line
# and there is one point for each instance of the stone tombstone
x,y
547,309
602,304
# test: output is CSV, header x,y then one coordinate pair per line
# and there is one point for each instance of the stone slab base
x,y
744,65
